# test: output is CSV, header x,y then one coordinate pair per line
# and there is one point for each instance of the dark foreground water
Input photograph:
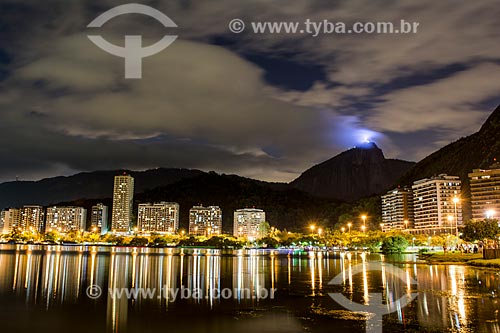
x,y
46,289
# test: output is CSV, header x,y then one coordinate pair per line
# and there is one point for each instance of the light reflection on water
x,y
49,284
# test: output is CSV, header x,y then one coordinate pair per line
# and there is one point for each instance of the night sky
x,y
258,105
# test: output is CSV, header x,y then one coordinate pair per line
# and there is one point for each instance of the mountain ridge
x,y
84,185
353,174
459,158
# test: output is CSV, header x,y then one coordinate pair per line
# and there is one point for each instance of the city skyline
x,y
433,204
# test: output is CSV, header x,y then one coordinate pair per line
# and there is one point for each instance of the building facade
x,y
162,217
99,219
485,192
32,218
65,219
2,221
397,210
11,220
123,196
205,221
437,203
247,222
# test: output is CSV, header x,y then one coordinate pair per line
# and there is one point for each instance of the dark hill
x,y
479,150
97,184
285,207
356,173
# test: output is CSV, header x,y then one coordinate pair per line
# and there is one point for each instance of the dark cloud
x,y
209,102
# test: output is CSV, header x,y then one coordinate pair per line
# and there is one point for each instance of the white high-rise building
x,y
205,221
397,209
247,222
123,196
11,220
32,217
162,217
65,219
437,203
99,219
485,192
2,221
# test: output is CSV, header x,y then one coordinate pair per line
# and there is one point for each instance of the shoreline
x,y
454,258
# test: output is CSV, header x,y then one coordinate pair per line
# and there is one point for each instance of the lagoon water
x,y
47,288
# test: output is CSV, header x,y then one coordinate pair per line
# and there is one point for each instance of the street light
x,y
363,227
406,224
349,226
363,217
312,227
490,214
343,229
450,220
320,231
382,227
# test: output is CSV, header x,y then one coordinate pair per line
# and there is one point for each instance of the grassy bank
x,y
450,257
458,258
494,263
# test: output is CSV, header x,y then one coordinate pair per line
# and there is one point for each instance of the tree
x,y
344,219
394,244
52,237
264,229
92,237
138,241
480,230
268,242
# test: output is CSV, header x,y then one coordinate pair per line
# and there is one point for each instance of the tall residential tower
x,y
162,217
99,218
247,222
485,192
66,219
397,209
123,196
205,221
32,217
437,203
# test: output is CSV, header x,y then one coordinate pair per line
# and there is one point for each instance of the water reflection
x,y
449,297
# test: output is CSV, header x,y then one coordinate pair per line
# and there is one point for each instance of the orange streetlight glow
x,y
363,217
